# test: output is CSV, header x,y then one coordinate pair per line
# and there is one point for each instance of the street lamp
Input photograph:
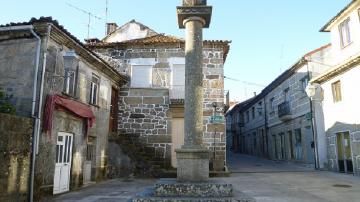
x,y
312,91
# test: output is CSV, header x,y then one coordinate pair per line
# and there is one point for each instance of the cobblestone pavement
x,y
262,179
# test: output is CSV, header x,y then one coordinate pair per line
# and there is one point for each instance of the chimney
x,y
254,94
110,27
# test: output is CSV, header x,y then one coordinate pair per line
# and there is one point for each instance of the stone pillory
x,y
193,157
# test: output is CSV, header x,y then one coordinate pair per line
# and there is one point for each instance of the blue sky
x,y
267,36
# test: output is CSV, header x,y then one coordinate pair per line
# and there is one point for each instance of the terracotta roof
x,y
324,28
157,39
338,69
41,20
317,50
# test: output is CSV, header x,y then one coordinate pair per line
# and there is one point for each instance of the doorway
x,y
291,146
282,146
298,145
88,163
345,163
177,137
113,119
63,162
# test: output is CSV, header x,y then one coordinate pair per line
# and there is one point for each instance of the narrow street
x,y
262,179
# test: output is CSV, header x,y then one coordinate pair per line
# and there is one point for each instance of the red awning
x,y
77,108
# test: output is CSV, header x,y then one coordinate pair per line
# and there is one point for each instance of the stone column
x,y
194,97
193,157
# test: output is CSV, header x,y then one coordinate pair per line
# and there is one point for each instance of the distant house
x,y
335,93
151,111
277,123
72,95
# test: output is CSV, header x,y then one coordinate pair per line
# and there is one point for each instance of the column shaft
x,y
193,84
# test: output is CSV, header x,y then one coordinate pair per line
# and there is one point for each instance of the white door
x,y
177,137
63,162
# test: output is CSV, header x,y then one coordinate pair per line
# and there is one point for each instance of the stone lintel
x,y
171,188
185,12
193,165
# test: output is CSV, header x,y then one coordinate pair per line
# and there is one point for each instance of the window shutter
x,y
141,76
178,82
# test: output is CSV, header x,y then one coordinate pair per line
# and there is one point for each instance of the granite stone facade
x,y
64,64
149,111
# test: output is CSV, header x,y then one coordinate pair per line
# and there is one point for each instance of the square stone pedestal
x,y
192,165
170,190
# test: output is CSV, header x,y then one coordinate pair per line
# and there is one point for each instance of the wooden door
x,y
113,120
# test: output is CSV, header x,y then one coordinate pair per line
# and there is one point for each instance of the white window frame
x,y
336,91
94,89
344,32
70,82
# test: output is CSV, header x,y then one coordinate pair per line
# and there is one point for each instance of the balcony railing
x,y
177,92
284,111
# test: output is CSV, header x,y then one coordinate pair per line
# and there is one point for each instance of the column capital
x,y
201,11
195,18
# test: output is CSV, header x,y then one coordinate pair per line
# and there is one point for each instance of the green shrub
x,y
5,105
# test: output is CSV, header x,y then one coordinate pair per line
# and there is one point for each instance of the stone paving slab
x,y
314,186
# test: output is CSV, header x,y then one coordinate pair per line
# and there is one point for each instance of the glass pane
x,y
61,153
57,154
60,138
69,149
65,151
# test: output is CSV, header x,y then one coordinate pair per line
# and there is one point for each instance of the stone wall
x,y
304,153
15,147
332,149
146,111
17,65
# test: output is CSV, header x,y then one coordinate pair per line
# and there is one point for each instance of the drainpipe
x,y
38,116
313,125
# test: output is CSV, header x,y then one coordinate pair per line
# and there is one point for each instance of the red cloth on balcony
x,y
77,108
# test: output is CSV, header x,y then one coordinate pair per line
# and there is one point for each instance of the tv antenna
x,y
90,15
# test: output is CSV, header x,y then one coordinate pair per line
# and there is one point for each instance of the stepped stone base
x,y
172,188
169,190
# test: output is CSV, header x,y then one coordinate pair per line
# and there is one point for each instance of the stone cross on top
x,y
194,2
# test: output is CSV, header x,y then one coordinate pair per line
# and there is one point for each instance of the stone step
x,y
188,199
212,188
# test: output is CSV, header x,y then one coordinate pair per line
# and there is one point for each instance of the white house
x,y
334,93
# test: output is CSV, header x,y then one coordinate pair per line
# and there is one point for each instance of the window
x,y
141,76
286,95
94,89
272,104
336,91
253,112
344,32
247,116
304,83
70,73
178,82
259,108
69,82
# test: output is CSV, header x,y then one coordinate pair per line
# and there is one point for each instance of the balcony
x,y
284,111
177,92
